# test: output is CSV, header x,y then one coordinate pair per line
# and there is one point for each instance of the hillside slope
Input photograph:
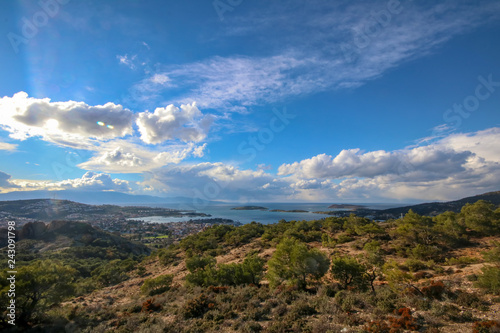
x,y
435,208
58,235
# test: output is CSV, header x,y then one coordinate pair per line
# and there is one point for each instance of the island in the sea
x,y
250,208
341,209
289,211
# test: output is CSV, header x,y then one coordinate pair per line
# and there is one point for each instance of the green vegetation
x,y
157,285
349,272
293,263
204,272
38,286
490,277
214,239
481,218
338,273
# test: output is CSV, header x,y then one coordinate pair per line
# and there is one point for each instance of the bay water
x,y
225,211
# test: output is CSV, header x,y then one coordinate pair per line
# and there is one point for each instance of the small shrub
x,y
432,322
149,306
450,312
386,300
489,326
135,308
470,300
343,238
372,247
460,261
157,285
197,307
471,277
302,308
424,252
278,327
422,275
167,257
377,326
434,290
141,271
281,310
217,289
405,321
438,269
347,300
432,330
418,302
490,279
250,327
328,241
415,265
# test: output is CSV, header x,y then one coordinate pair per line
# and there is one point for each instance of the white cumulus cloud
x,y
456,166
90,181
121,156
73,124
186,123
108,130
430,160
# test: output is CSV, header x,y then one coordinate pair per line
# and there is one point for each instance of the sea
x,y
225,211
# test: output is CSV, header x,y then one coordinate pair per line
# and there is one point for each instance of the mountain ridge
x,y
96,197
428,208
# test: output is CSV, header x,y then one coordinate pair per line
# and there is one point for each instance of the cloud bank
x,y
73,124
90,181
450,168
456,166
123,141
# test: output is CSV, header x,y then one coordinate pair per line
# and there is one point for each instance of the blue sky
x,y
339,101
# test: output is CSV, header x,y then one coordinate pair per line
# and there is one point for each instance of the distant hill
x,y
52,209
95,197
62,234
435,208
